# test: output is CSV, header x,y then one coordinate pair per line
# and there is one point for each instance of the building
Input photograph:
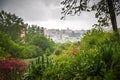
x,y
64,35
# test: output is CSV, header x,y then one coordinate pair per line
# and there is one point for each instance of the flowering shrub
x,y
11,68
75,51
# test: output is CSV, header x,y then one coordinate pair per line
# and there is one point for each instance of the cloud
x,y
32,10
60,24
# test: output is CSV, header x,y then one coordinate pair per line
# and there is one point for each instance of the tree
x,y
106,10
11,25
32,31
42,42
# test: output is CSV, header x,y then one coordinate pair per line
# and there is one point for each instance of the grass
x,y
29,60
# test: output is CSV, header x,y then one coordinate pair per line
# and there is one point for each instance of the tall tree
x,y
106,10
11,25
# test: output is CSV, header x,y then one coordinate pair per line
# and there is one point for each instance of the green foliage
x,y
43,43
35,37
31,45
58,51
106,10
32,31
45,68
30,51
63,48
4,43
11,25
36,69
93,38
47,52
7,46
97,56
101,61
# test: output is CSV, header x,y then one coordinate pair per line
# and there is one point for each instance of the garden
x,y
36,57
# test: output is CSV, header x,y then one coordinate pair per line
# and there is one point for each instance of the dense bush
x,y
100,63
65,48
99,60
11,68
30,51
7,46
94,37
43,43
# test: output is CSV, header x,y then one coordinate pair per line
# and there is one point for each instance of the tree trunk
x,y
113,16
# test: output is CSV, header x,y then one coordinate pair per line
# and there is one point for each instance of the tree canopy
x,y
11,25
32,31
106,10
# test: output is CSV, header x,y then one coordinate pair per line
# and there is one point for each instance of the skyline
x,y
47,13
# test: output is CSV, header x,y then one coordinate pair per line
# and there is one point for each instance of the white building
x,y
64,35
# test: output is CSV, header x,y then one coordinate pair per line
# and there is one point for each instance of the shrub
x,y
5,43
45,68
31,51
43,42
58,51
93,38
11,68
101,62
7,46
36,69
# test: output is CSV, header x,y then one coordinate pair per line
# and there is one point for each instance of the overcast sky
x,y
47,13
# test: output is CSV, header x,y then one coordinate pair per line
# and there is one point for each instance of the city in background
x,y
64,35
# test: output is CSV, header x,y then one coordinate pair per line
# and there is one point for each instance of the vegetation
x,y
12,25
18,41
95,57
11,68
23,41
95,60
106,10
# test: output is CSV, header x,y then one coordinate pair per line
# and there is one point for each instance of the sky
x,y
47,13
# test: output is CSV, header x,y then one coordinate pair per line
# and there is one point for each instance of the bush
x,y
45,68
11,68
5,43
31,51
98,62
43,43
36,69
7,46
58,51
93,38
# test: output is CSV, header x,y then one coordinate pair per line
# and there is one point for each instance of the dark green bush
x,y
43,43
30,51
7,46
